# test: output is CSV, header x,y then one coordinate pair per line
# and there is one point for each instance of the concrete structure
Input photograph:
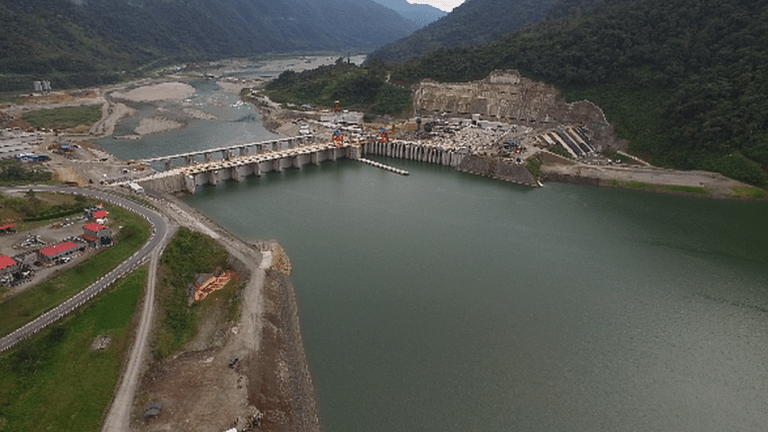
x,y
344,117
97,234
419,151
187,178
226,153
60,250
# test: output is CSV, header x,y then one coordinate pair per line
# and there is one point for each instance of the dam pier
x,y
184,172
239,161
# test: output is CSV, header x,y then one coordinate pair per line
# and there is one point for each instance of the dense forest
x,y
82,43
685,81
475,22
363,88
420,14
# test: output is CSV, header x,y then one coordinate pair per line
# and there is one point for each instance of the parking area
x,y
23,247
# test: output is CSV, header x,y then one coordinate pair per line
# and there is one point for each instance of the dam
x,y
272,156
239,161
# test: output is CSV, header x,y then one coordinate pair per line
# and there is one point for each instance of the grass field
x,y
188,254
26,306
54,381
64,117
660,188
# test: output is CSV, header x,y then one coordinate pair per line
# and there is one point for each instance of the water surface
x,y
446,301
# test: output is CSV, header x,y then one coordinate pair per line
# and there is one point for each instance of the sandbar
x,y
157,92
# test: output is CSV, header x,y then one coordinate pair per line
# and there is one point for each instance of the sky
x,y
446,5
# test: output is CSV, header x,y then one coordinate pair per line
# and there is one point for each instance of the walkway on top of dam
x,y
268,145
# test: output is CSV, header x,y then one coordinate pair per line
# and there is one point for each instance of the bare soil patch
x,y
201,390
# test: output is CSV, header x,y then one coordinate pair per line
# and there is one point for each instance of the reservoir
x,y
446,301
443,301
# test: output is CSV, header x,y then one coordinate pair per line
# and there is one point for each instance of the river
x,y
446,301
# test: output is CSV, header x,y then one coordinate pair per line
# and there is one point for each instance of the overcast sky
x,y
446,5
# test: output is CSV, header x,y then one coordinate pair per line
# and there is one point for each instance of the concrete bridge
x,y
230,152
279,154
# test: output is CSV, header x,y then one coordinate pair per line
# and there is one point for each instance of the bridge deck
x,y
221,149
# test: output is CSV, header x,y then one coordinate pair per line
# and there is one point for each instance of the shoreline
x,y
259,356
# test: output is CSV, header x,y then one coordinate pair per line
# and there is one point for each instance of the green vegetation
x,y
559,150
187,255
64,117
54,381
695,190
31,303
13,173
750,192
40,208
473,23
683,81
533,165
86,43
356,87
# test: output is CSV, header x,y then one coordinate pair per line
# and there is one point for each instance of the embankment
x,y
497,169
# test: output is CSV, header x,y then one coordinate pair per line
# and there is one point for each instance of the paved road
x,y
160,231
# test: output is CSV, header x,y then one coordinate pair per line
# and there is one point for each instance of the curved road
x,y
160,231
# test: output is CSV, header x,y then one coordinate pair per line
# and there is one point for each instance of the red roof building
x,y
101,214
59,250
97,230
7,264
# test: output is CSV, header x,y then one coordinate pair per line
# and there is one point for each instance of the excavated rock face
x,y
506,96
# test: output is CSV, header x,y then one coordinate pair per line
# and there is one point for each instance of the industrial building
x,y
97,234
8,265
60,250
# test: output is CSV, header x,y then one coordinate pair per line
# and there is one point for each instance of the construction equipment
x,y
338,138
383,136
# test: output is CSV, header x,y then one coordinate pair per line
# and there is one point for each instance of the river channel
x,y
443,301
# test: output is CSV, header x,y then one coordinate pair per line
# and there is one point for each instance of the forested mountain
x,y
83,42
474,22
685,81
420,14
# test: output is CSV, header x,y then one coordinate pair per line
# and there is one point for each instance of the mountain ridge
x,y
93,41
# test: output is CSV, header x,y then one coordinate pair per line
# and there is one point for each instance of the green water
x,y
443,301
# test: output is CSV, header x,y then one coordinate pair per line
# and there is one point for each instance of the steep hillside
x,y
420,14
686,81
475,22
86,42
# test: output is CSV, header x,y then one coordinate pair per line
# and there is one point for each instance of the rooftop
x,y
58,248
6,261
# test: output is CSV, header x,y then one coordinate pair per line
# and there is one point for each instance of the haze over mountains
x,y
420,14
474,22
85,42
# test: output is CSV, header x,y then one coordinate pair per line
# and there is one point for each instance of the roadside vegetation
x,y
40,208
186,256
13,173
64,117
55,380
31,303
355,87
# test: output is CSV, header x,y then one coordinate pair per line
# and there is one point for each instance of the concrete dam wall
x,y
416,151
459,159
